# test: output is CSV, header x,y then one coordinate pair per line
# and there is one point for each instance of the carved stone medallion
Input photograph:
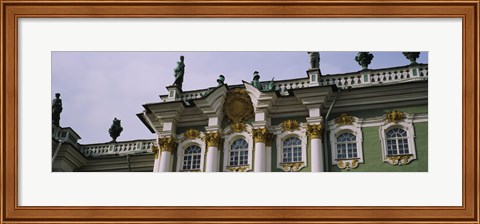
x,y
238,106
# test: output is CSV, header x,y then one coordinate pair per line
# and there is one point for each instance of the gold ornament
x,y
155,151
290,125
260,135
395,116
315,130
400,160
237,168
348,164
167,144
191,134
291,167
238,127
212,139
238,106
344,119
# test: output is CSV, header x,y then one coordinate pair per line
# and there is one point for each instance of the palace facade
x,y
370,120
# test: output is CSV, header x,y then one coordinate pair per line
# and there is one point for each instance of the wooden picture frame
x,y
11,10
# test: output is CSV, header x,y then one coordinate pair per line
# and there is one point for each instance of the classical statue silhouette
x,y
115,129
314,59
257,84
221,80
179,72
56,109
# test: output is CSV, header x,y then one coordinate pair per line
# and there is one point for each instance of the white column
x,y
213,140
165,162
317,155
212,159
315,132
167,145
156,165
259,165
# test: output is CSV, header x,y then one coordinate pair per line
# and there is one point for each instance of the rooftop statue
x,y
412,56
257,84
256,81
115,129
221,80
56,109
364,59
179,71
314,59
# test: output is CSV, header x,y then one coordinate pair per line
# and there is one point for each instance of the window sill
x,y
292,166
399,160
238,168
195,170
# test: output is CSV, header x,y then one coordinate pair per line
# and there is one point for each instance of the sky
x,y
97,87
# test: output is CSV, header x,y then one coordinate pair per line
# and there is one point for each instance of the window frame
x,y
301,133
192,157
336,130
181,153
400,159
230,137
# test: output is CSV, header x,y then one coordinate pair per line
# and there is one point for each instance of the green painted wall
x,y
381,112
372,152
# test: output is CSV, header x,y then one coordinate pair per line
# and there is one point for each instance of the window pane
x,y
397,141
290,147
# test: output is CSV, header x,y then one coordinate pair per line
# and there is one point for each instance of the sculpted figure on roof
x,y
179,71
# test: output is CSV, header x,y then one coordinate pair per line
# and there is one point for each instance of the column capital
x,y
155,150
315,130
167,144
260,135
212,139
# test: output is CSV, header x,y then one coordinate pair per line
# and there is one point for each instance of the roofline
x,y
142,119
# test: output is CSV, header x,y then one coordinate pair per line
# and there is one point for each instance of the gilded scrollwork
x,y
237,168
238,127
347,164
315,130
292,167
260,135
395,116
344,119
155,150
212,139
191,134
238,106
290,125
167,144
399,160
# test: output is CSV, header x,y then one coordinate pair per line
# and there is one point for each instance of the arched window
x,y
292,150
397,142
346,146
192,157
239,152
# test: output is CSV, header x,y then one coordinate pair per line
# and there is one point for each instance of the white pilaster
x,y
212,159
165,161
156,165
259,165
317,155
